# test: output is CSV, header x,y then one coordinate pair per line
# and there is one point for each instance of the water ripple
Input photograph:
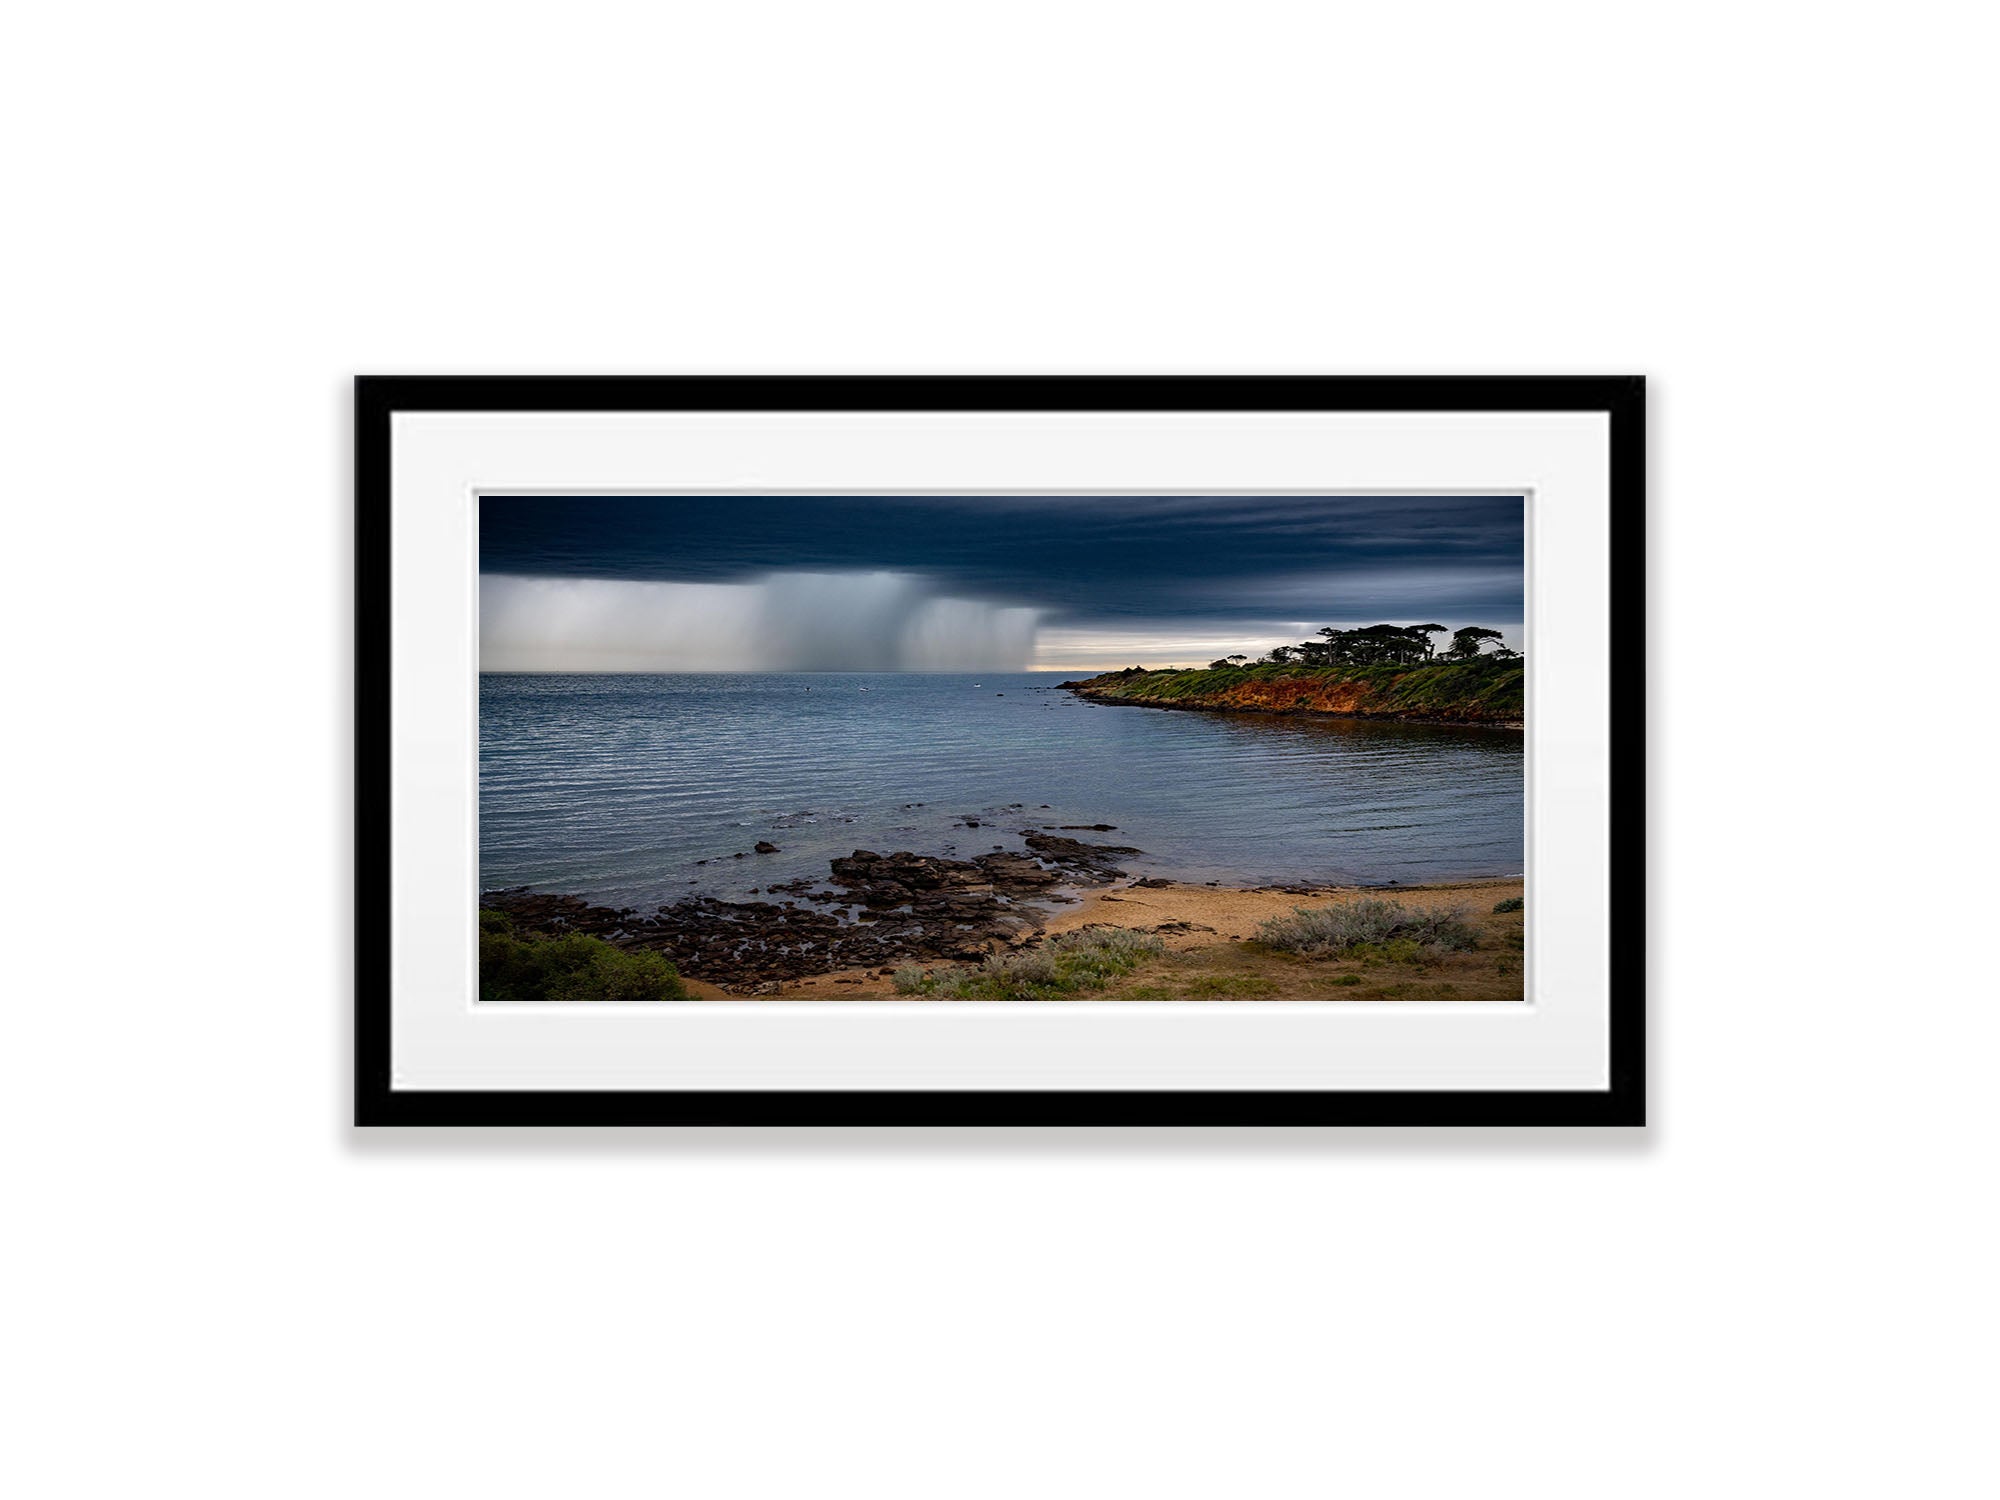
x,y
616,786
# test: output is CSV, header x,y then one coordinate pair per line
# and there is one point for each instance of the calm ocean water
x,y
615,786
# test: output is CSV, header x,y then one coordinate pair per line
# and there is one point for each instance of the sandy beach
x,y
1212,954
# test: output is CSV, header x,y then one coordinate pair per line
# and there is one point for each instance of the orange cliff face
x,y
1294,695
1416,695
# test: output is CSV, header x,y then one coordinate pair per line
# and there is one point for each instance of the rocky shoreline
x,y
874,911
1293,712
1489,692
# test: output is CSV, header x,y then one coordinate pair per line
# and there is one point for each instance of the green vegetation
x,y
1384,645
1059,969
1512,903
1229,987
1382,930
1375,671
1399,950
1207,987
1490,687
516,967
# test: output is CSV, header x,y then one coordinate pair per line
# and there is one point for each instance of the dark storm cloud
x,y
1092,561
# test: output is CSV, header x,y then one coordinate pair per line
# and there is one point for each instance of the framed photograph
x,y
929,751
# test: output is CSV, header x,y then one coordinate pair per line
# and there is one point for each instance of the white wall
x,y
219,213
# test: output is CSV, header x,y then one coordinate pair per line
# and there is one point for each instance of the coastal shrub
x,y
1339,931
1064,966
512,967
1512,903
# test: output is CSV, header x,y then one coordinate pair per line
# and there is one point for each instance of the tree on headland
x,y
1373,645
1382,645
1467,643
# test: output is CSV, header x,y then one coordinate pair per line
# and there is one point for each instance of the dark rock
x,y
765,846
909,906
1094,861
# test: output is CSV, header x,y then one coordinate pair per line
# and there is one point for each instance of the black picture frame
x,y
377,399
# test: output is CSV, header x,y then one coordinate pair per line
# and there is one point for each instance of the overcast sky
x,y
1085,581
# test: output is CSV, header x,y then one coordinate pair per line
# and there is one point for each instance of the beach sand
x,y
1215,955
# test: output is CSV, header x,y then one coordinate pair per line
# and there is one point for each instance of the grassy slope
x,y
1485,691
